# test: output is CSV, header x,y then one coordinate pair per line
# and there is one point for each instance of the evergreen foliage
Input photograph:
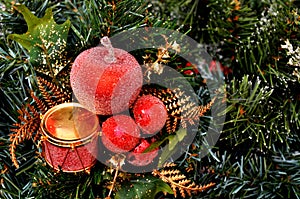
x,y
258,154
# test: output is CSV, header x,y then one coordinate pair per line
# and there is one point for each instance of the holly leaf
x,y
45,40
144,188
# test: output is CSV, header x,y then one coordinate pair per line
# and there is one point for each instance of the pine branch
x,y
51,93
40,104
191,113
28,126
179,182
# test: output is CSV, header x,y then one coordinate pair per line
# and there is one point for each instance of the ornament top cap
x,y
110,58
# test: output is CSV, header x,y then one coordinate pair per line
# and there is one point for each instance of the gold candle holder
x,y
70,134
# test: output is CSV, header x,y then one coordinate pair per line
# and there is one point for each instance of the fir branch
x,y
47,97
179,182
28,125
40,104
191,113
51,93
171,125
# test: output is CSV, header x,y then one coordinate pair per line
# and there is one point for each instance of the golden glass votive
x,y
70,134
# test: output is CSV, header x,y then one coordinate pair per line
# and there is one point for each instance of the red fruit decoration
x,y
106,80
138,158
150,114
120,133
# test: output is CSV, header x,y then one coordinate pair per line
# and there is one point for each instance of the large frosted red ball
x,y
102,87
150,114
120,133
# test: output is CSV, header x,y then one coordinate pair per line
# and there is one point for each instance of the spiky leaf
x,y
143,188
45,40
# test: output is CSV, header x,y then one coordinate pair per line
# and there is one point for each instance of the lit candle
x,y
70,137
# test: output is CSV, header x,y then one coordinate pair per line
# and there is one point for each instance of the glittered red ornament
x,y
120,133
150,114
138,158
110,146
106,80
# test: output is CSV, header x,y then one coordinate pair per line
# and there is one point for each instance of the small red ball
x,y
120,133
138,158
110,146
150,114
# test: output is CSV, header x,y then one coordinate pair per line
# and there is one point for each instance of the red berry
x,y
188,72
150,114
120,133
138,158
102,87
188,64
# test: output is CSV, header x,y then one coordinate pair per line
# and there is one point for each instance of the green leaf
x,y
45,40
170,149
174,140
144,188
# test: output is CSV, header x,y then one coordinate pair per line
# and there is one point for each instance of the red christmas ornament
x,y
106,80
150,114
138,158
120,133
110,146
